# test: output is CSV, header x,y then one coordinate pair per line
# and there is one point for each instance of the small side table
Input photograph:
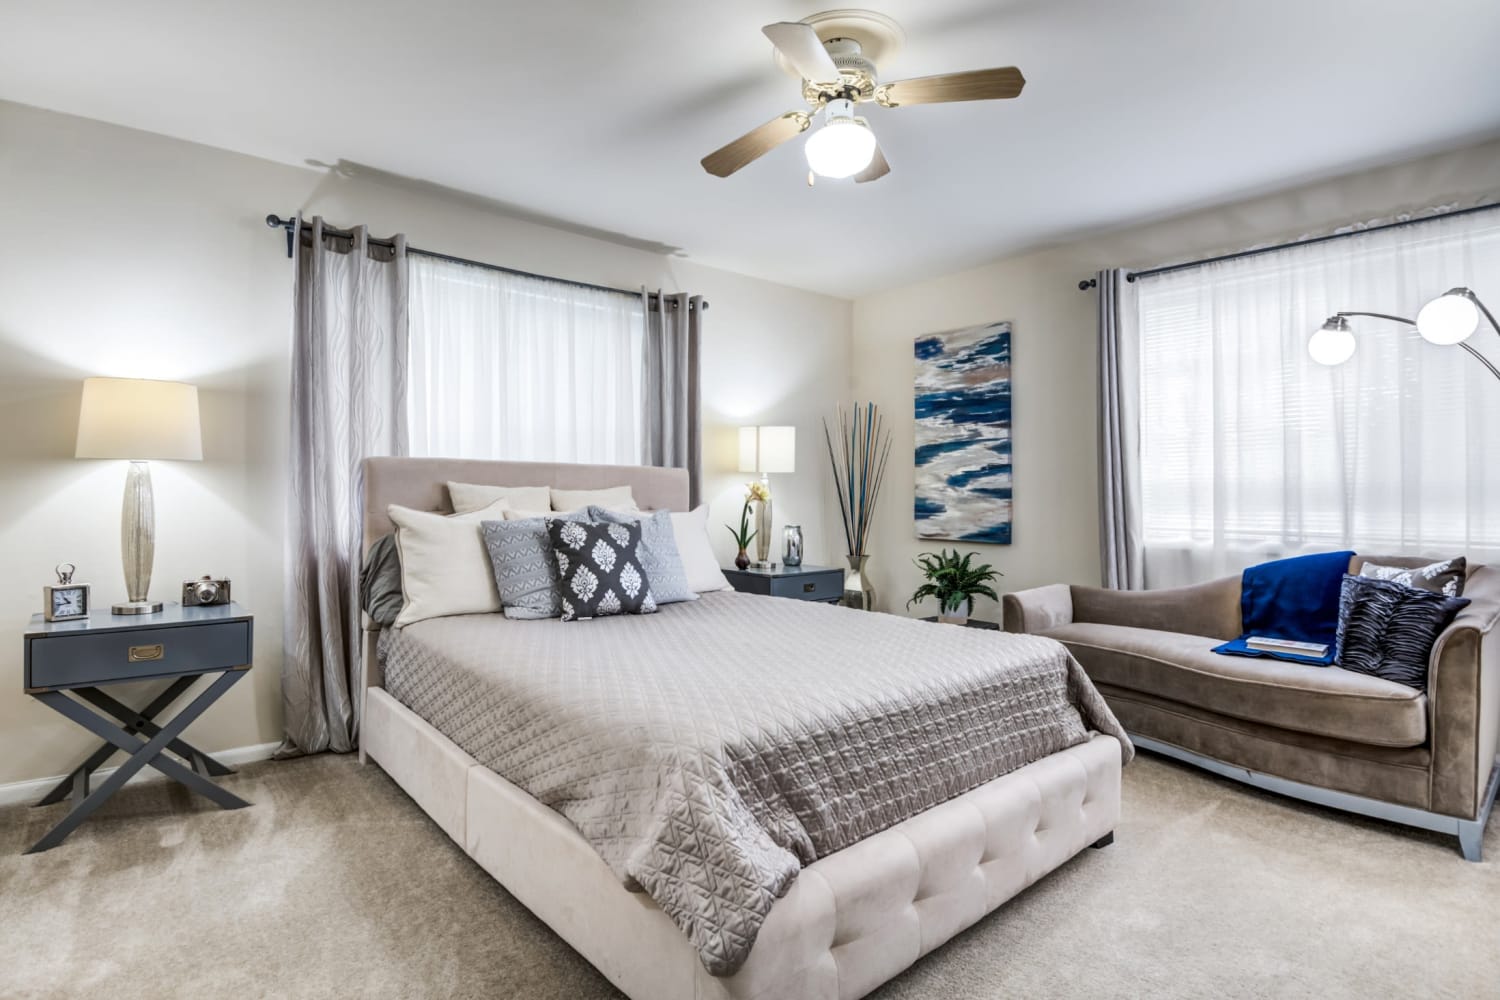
x,y
971,623
803,583
68,662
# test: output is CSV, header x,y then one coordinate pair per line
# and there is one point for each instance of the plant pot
x,y
956,616
742,561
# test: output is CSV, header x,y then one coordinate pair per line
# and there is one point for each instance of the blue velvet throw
x,y
1296,599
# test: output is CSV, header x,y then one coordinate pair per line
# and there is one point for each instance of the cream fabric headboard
x,y
421,483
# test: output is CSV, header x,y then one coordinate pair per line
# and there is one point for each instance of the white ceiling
x,y
596,114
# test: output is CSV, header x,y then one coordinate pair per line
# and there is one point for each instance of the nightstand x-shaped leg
x,y
76,783
141,752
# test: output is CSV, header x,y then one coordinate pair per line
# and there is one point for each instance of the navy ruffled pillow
x,y
1388,630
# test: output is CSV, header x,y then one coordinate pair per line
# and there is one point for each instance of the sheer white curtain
x,y
504,366
1249,450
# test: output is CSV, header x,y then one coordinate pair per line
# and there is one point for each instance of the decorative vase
x,y
742,561
763,534
792,551
858,593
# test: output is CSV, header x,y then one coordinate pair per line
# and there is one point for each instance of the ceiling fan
x,y
835,53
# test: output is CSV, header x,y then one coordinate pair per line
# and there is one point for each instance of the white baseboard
x,y
31,791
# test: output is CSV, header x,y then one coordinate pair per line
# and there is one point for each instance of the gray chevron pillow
x,y
525,572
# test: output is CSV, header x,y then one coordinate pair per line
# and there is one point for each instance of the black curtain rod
x,y
290,225
1088,283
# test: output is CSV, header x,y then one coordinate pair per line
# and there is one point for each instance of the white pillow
x,y
445,568
522,515
697,553
476,496
614,498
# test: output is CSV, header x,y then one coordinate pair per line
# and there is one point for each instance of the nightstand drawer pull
x,y
809,588
143,654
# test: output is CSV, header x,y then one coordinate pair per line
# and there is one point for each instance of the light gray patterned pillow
x,y
658,552
525,572
1446,577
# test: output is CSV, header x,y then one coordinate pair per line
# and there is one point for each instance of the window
x,y
505,366
1250,450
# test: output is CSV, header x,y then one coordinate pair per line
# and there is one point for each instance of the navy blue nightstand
x,y
803,583
68,662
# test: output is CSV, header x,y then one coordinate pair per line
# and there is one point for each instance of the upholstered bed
x,y
653,756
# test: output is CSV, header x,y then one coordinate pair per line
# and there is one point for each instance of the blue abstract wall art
x,y
963,435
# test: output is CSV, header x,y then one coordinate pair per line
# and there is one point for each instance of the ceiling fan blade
x,y
799,44
756,143
975,85
877,169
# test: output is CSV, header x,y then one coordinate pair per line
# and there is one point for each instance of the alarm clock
x,y
65,600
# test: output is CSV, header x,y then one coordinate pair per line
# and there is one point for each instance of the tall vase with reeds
x,y
858,458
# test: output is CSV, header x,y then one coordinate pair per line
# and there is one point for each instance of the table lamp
x,y
138,419
765,450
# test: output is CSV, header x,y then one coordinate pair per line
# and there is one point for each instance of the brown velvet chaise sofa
x,y
1324,734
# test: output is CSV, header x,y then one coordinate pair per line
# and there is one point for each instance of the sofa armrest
x,y
1038,609
1211,609
1463,700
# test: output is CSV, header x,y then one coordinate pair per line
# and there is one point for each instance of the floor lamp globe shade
x,y
1450,318
1331,345
842,148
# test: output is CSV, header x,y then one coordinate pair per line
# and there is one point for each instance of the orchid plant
x,y
756,491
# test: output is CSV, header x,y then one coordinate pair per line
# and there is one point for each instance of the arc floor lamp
x,y
1449,319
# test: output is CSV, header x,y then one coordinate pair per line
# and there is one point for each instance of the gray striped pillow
x,y
1388,630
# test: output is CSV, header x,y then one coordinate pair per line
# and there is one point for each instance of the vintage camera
x,y
206,591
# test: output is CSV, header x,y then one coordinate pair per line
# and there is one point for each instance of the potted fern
x,y
954,582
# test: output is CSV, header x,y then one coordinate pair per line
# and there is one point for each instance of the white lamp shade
x,y
1448,319
139,419
1332,344
768,449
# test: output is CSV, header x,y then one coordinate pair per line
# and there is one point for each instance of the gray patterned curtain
x,y
671,416
348,402
1120,544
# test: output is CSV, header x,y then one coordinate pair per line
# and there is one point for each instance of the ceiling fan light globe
x,y
841,148
1332,344
1448,319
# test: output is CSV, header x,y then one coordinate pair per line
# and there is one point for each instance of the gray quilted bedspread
x,y
711,750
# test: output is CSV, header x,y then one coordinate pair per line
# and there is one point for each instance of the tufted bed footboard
x,y
851,921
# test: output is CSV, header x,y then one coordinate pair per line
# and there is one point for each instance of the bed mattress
x,y
711,750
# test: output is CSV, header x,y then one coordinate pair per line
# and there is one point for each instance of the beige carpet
x,y
335,885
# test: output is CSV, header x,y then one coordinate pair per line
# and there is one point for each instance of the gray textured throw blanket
x,y
711,750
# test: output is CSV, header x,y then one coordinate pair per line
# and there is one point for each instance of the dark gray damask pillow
x,y
380,581
659,556
1446,577
600,570
1388,630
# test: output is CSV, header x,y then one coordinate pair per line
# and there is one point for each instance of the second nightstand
x,y
67,663
802,583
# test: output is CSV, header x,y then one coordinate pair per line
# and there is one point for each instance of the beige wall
x,y
131,254
1056,535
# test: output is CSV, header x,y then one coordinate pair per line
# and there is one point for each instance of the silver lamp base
x,y
137,542
757,564
136,608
